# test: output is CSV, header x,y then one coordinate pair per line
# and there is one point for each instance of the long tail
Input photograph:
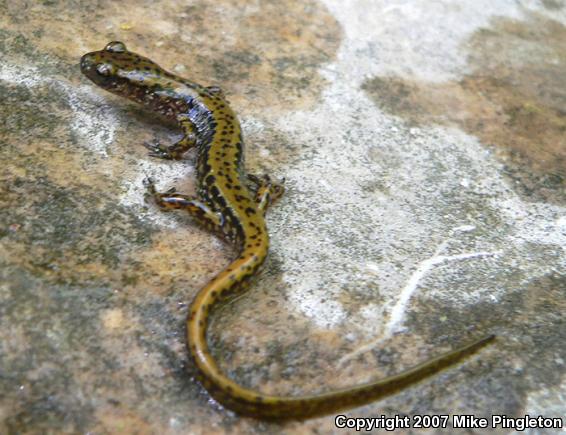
x,y
255,404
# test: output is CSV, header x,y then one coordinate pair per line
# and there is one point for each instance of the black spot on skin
x,y
205,166
221,201
215,192
250,211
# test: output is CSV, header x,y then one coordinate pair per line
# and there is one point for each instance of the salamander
x,y
233,204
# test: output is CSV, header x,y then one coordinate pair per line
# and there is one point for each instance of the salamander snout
x,y
101,61
87,62
101,71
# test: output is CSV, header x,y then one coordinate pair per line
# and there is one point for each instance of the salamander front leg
x,y
172,200
216,90
267,191
176,151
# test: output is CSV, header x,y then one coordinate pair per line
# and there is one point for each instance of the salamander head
x,y
136,77
120,71
111,67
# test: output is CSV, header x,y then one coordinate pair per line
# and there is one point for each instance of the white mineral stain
x,y
95,127
417,38
21,75
165,174
413,204
93,119
399,311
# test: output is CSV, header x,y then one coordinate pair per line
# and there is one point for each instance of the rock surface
x,y
424,149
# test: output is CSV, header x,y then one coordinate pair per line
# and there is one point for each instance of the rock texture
x,y
423,147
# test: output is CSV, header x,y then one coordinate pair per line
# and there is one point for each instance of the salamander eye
x,y
116,47
104,69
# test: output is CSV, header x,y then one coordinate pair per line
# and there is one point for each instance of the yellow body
x,y
233,204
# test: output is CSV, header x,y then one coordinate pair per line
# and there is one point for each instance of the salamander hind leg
x,y
175,151
173,200
267,191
